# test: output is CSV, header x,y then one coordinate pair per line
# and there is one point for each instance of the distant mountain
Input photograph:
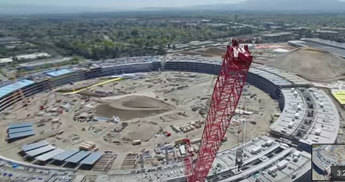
x,y
248,5
45,9
293,5
281,5
34,9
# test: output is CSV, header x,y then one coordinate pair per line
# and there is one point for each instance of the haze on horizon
x,y
66,6
116,4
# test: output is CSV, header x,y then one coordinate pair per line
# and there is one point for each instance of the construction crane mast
x,y
226,95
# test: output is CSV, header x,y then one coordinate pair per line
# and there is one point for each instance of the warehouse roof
x,y
64,155
12,136
19,125
278,34
50,61
36,145
19,130
32,56
35,152
327,45
5,60
92,158
49,155
78,157
59,72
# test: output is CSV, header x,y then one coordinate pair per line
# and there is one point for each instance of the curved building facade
x,y
303,119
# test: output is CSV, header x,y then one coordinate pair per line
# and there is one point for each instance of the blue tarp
x,y
58,72
14,86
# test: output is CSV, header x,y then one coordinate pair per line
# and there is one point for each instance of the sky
x,y
116,4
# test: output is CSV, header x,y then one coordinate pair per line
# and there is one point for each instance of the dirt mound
x,y
131,107
143,102
312,64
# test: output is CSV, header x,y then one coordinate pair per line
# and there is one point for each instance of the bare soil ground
x,y
140,131
312,64
146,106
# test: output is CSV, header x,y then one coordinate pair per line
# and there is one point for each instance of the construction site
x,y
165,118
136,116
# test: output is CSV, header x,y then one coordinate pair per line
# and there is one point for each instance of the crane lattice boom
x,y
226,95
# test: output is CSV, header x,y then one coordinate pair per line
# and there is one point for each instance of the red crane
x,y
226,95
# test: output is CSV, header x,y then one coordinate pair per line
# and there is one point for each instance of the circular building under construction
x,y
127,120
